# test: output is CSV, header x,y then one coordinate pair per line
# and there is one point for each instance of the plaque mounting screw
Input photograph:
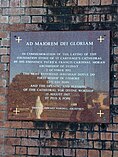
x,y
100,113
16,111
18,39
101,39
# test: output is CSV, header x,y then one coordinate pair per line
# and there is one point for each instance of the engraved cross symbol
x,y
100,39
100,113
16,111
18,39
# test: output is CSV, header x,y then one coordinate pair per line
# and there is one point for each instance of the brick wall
x,y
27,138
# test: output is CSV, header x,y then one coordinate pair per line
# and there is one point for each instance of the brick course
x,y
51,139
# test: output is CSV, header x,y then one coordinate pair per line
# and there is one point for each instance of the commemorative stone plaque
x,y
59,76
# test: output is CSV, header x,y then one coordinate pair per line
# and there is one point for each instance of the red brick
x,y
15,27
115,154
82,2
81,153
115,101
55,135
33,133
3,51
94,135
13,11
16,124
80,135
2,99
3,35
9,149
10,132
32,27
21,133
106,136
93,153
106,153
4,3
94,2
2,26
3,83
1,140
45,151
37,3
12,141
36,19
35,11
33,151
57,151
25,19
69,135
21,150
5,59
106,2
26,3
69,152
2,114
3,107
5,42
14,3
29,142
27,125
3,19
14,19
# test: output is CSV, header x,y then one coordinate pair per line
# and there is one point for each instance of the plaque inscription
x,y
59,76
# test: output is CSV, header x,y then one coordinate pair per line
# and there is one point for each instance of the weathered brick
x,y
106,2
14,19
33,151
15,27
31,27
21,133
82,2
3,35
2,83
37,3
35,11
27,125
13,11
26,3
81,153
115,101
5,42
45,151
2,113
5,59
29,142
36,19
106,136
93,153
3,51
94,2
14,3
106,153
69,152
21,150
5,3
69,135
9,149
3,19
45,134
25,19
57,151
16,124
33,133
94,135
12,141
115,154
